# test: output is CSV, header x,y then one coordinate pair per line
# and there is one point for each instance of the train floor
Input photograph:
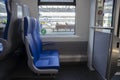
x,y
68,71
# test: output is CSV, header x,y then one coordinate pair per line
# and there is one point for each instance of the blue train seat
x,y
31,25
3,41
27,27
13,38
39,61
38,42
40,64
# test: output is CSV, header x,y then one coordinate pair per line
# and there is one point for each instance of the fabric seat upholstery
x,y
28,26
31,25
38,42
47,63
40,62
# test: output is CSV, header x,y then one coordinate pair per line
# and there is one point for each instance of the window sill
x,y
59,38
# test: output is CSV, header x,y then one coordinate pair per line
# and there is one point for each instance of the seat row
x,y
39,60
12,40
24,31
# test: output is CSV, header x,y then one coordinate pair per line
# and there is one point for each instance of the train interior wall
x,y
72,49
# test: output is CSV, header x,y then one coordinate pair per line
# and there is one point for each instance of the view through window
x,y
3,14
104,13
108,11
57,19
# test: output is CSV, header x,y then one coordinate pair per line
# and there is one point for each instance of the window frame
x,y
56,3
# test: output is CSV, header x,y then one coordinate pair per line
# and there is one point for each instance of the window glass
x,y
57,19
108,8
3,14
104,13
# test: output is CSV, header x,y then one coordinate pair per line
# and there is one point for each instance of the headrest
x,y
32,47
26,24
19,11
29,24
25,11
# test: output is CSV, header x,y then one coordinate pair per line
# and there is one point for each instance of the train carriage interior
x,y
59,39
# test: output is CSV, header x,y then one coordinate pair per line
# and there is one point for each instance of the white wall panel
x,y
82,20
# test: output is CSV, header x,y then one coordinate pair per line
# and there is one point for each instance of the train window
x,y
3,15
57,16
104,13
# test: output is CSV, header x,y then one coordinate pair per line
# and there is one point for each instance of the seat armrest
x,y
4,48
48,43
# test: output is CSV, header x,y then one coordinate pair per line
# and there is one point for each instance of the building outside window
x,y
57,17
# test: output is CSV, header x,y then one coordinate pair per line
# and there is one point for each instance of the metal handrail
x,y
102,27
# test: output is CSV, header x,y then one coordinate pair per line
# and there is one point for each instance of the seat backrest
x,y
8,9
36,37
25,10
27,27
14,38
31,31
32,48
14,32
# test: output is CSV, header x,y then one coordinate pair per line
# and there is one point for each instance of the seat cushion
x,y
49,53
51,62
